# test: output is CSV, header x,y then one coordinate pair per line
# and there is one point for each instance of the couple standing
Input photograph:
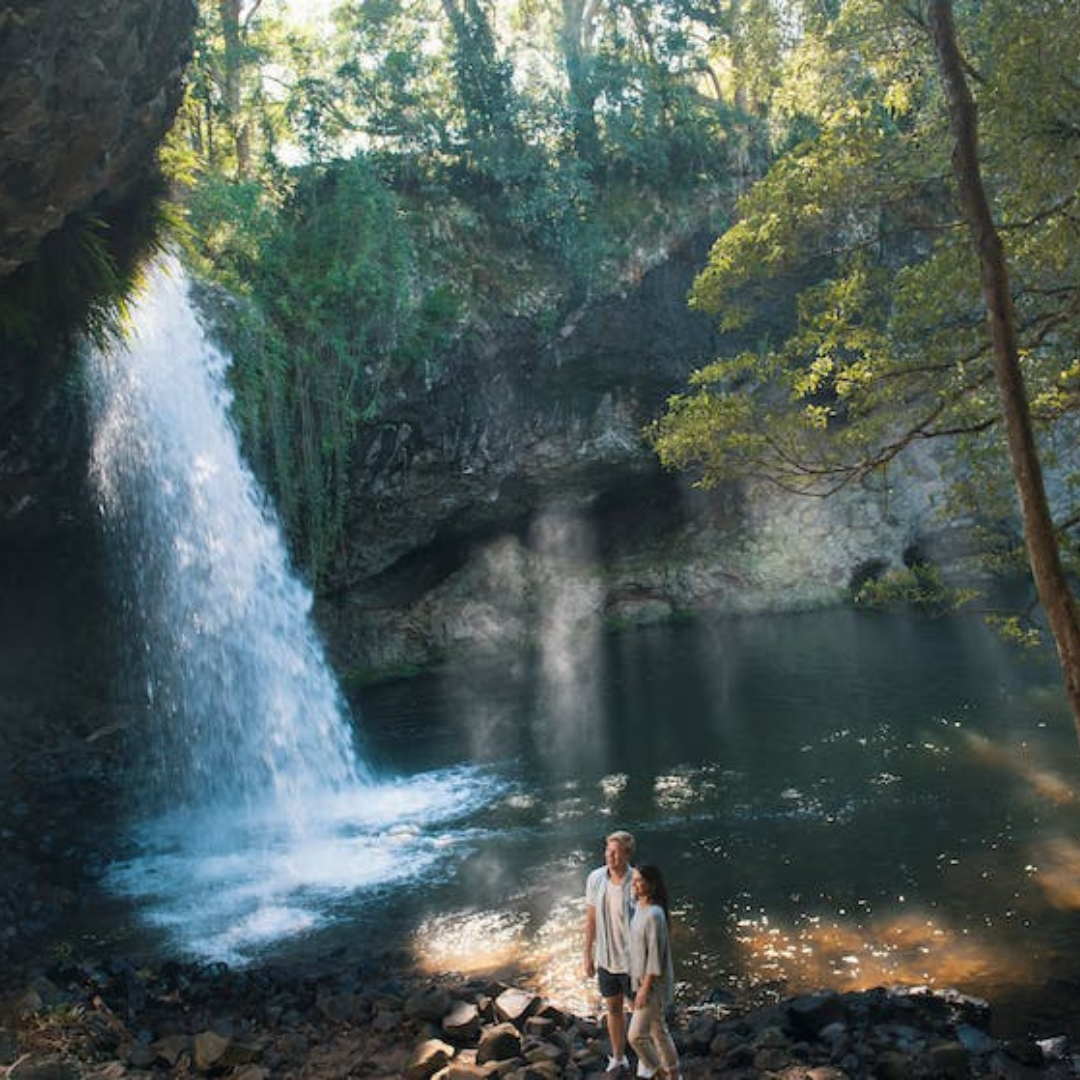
x,y
627,948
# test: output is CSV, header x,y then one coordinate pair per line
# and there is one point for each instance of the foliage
x,y
83,274
324,313
919,585
890,345
365,191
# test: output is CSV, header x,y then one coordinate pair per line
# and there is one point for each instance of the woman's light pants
x,y
649,1035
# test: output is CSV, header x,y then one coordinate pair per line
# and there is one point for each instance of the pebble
x,y
176,1021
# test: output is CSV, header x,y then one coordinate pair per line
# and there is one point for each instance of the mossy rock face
x,y
87,91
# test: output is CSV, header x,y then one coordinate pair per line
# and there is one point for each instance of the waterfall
x,y
242,704
257,795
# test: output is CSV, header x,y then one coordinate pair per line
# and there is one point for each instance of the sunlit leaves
x,y
890,344
919,585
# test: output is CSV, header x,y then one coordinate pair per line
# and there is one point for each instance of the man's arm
x,y
590,939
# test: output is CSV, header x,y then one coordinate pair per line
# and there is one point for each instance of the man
x,y
608,908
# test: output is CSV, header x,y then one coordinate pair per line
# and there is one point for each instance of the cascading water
x,y
259,800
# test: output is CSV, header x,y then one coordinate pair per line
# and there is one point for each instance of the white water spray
x,y
260,803
242,703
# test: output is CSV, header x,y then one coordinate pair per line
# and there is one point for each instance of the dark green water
x,y
840,798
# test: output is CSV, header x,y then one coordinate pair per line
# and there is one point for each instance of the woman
x,y
652,976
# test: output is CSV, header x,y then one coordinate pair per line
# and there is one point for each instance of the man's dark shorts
x,y
612,985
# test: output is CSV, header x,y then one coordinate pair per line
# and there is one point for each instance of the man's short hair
x,y
624,839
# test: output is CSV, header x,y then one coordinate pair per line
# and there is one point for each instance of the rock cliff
x,y
516,492
86,93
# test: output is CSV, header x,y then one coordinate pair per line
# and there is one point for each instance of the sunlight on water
x,y
1055,866
853,952
471,942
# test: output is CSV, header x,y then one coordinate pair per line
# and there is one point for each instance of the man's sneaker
x,y
644,1072
616,1068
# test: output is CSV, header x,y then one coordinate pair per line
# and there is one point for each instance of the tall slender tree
x,y
1040,533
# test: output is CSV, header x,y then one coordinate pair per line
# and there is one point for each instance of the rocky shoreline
x,y
89,1020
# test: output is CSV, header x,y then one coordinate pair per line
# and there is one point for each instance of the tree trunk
x,y
575,37
1039,534
231,90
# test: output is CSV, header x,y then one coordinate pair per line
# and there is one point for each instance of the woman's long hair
x,y
654,885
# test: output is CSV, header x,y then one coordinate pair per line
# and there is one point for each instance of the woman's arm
x,y
642,995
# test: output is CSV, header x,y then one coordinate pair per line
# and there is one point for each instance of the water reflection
x,y
836,799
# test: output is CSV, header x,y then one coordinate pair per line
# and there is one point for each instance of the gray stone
x,y
540,1026
948,1059
169,1048
462,1022
894,1065
1055,1048
140,1056
769,1039
431,1003
111,1070
210,1049
1024,1050
771,1059
541,1070
472,1071
545,1052
430,1057
501,1042
387,1020
975,1040
514,1006
1004,1067
345,1008
810,1013
86,94
251,1072
44,1067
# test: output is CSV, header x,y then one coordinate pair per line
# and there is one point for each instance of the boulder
x,y
894,1065
948,1060
169,1048
430,1057
540,1026
210,1050
472,1071
44,1067
139,1056
430,1003
501,1042
809,1013
515,1006
462,1022
543,1070
545,1052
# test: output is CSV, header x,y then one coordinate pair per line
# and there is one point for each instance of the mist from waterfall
x,y
257,799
